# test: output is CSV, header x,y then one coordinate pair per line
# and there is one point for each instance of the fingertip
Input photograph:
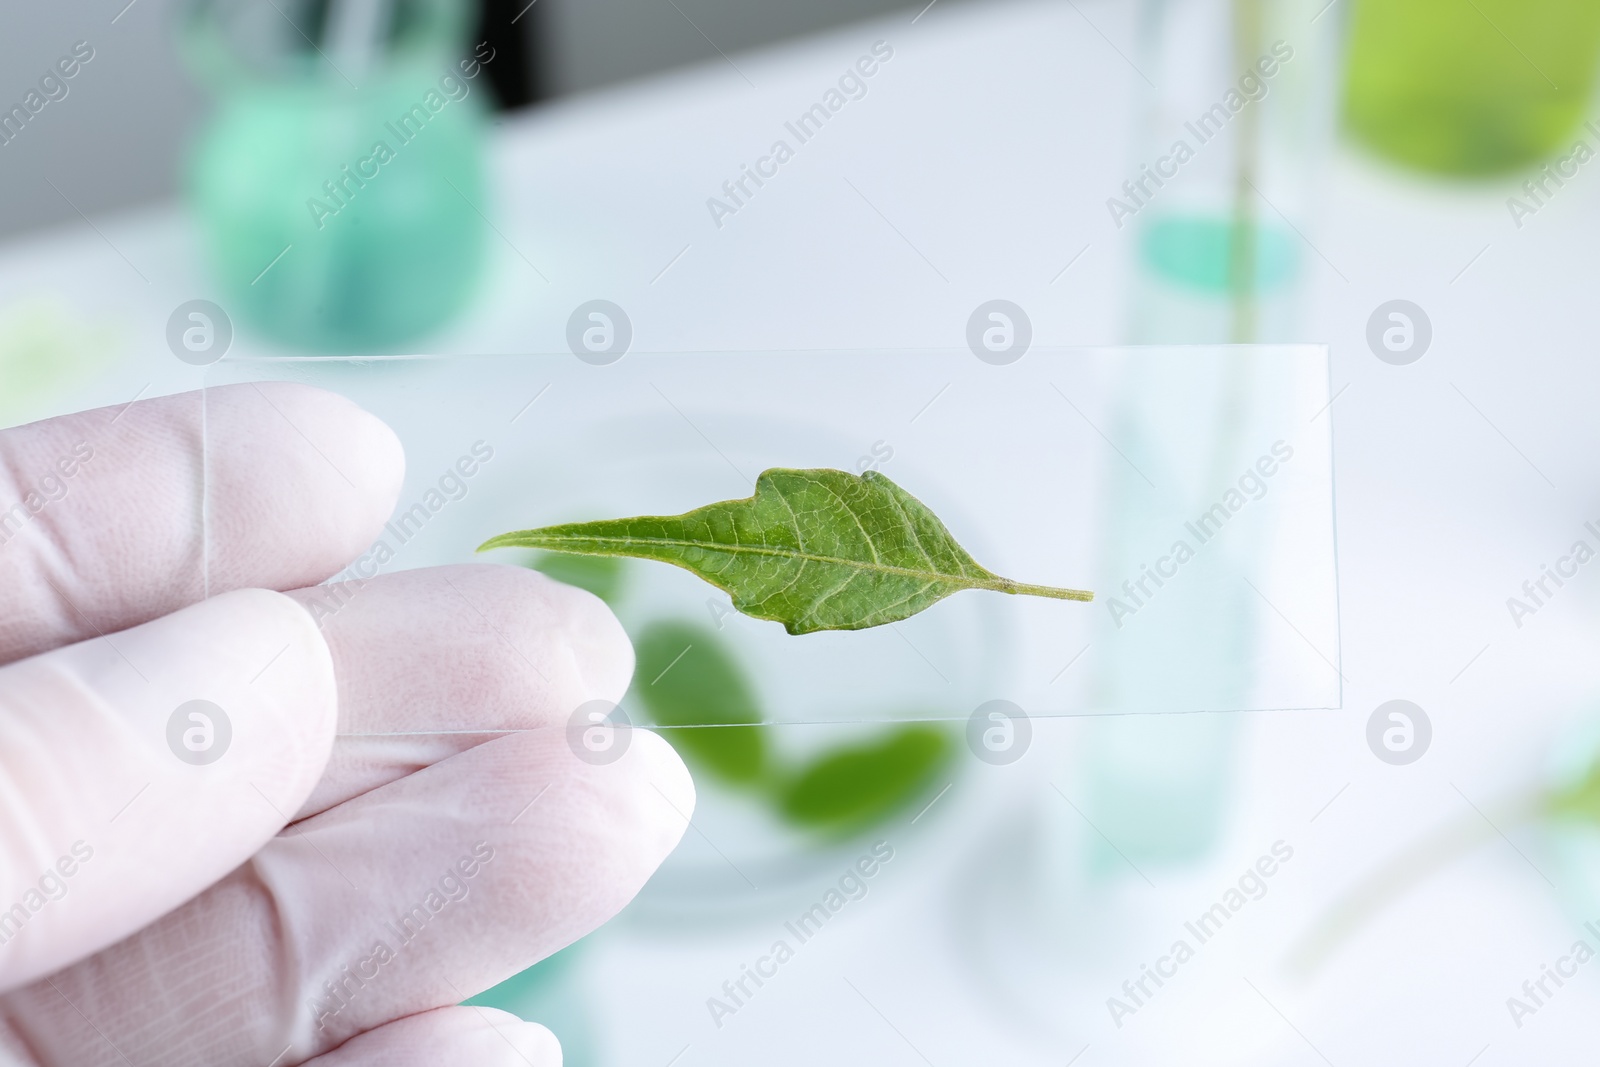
x,y
600,653
637,805
375,453
300,482
462,1036
522,1041
363,462
659,765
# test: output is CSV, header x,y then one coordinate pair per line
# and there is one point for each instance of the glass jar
x,y
1469,89
338,184
1233,122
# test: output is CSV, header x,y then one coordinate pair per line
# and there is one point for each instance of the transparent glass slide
x,y
1189,487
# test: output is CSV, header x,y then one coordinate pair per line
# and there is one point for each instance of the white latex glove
x,y
158,912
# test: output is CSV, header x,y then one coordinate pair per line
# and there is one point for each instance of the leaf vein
x,y
553,542
872,546
916,538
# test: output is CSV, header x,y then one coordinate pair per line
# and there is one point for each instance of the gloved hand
x,y
304,897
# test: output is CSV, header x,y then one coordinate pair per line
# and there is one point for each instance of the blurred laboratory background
x,y
552,47
1349,760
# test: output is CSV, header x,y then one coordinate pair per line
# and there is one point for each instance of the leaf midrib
x,y
547,541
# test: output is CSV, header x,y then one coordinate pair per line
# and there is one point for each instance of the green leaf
x,y
852,786
685,678
812,549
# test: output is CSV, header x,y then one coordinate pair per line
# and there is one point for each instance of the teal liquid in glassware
x,y
345,220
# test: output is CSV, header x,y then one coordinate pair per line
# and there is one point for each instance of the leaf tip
x,y
500,541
